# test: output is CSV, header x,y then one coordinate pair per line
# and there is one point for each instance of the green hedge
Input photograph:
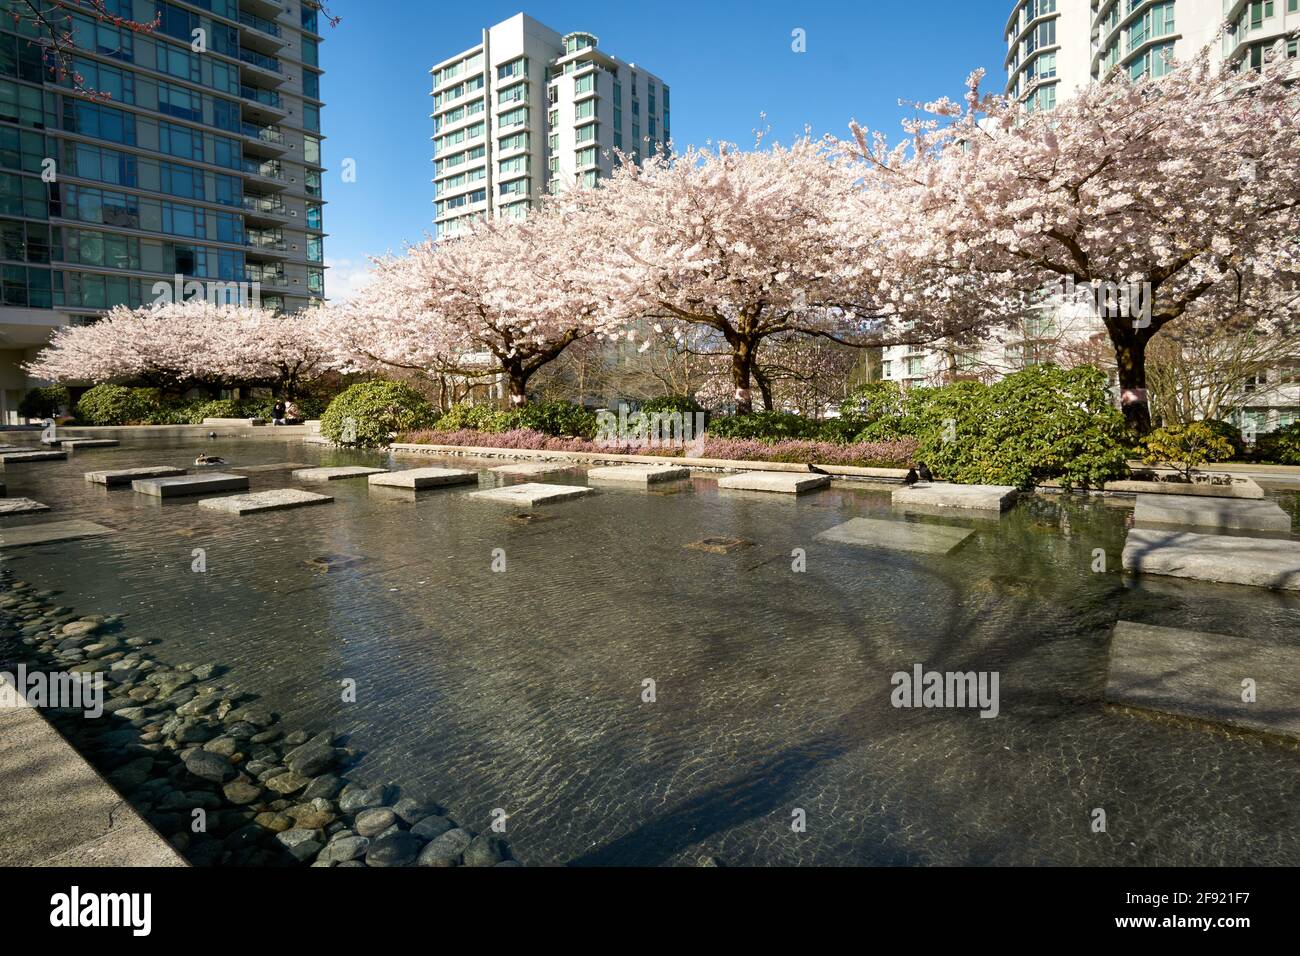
x,y
559,419
117,405
46,402
371,413
1281,447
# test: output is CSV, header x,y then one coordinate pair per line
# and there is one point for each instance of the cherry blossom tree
x,y
1169,198
504,299
769,242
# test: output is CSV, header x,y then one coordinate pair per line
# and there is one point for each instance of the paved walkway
x,y
55,810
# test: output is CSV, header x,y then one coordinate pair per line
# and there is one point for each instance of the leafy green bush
x,y
478,418
764,426
44,402
874,400
1186,447
1041,423
1281,447
561,419
1229,433
118,405
370,413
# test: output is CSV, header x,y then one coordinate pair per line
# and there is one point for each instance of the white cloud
x,y
345,279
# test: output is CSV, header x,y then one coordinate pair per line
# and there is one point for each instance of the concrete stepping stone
x,y
20,506
532,494
275,466
1239,488
49,533
719,545
779,482
911,536
1189,511
942,494
1259,562
281,499
15,457
1199,675
336,474
415,479
183,485
124,476
531,468
639,474
75,443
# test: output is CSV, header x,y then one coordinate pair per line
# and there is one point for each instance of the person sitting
x,y
277,412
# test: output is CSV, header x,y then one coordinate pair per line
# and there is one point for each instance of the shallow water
x,y
523,690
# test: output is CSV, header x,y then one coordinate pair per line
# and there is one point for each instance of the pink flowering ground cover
x,y
881,454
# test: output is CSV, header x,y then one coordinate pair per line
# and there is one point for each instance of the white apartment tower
x,y
1054,49
529,110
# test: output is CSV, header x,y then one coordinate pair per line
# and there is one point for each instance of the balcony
x,y
268,98
260,24
260,60
270,172
270,208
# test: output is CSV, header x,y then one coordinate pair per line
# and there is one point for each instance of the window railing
x,y
259,23
267,134
259,59
264,204
259,95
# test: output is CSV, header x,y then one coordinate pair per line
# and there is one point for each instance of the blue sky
x,y
729,64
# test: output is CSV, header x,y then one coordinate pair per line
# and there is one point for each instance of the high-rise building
x,y
192,149
1056,48
528,110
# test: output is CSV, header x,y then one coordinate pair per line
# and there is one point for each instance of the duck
x,y
209,460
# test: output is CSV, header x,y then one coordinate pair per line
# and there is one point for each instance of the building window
x,y
517,67
586,157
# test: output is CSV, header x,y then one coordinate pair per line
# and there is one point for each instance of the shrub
x,y
874,400
1229,433
553,418
764,426
44,402
1281,447
1186,447
370,413
477,418
118,405
1041,423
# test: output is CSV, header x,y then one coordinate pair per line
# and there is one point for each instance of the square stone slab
x,y
531,468
1192,511
911,536
281,499
204,484
336,474
14,457
1259,562
21,506
415,479
31,534
532,494
944,494
75,443
639,474
1200,675
780,482
124,476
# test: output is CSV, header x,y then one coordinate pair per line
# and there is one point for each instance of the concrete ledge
x,y
599,458
50,533
853,471
234,422
415,479
1211,513
530,495
124,476
336,474
1240,488
775,482
639,474
1258,562
57,811
281,499
996,498
183,485
73,444
911,536
531,468
21,506
1200,675
17,457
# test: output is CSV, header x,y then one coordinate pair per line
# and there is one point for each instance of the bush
x,y
1229,433
1281,447
561,419
1041,423
1186,447
477,418
370,413
764,426
118,405
44,402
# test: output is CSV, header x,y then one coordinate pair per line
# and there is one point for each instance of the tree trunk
x,y
1130,357
742,370
517,378
764,388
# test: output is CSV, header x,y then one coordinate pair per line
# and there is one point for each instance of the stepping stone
x,y
336,474
125,476
1240,488
531,468
720,545
204,484
639,474
415,479
1200,675
32,534
277,466
21,506
280,499
21,456
75,443
6,449
781,482
1190,511
911,536
997,498
531,494
1259,562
